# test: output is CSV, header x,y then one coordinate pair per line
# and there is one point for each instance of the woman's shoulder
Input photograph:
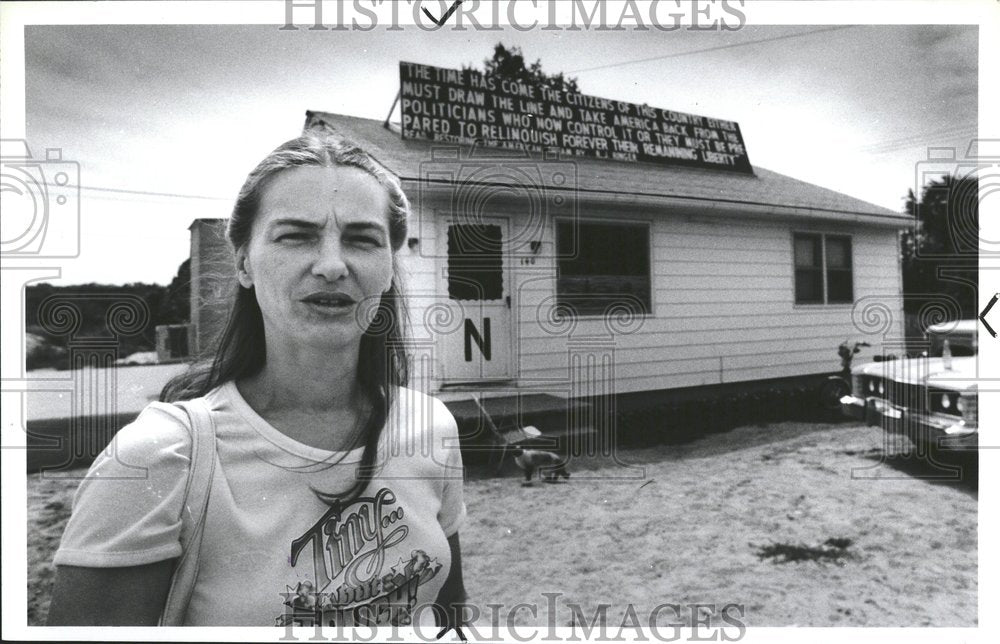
x,y
160,429
425,422
126,511
419,405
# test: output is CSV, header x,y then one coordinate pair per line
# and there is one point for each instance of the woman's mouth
x,y
330,302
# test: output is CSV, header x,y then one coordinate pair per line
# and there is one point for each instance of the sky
x,y
187,110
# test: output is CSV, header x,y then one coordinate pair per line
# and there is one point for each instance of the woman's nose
x,y
329,262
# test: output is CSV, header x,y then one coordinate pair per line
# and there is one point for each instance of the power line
x,y
152,194
943,130
910,146
918,144
164,202
918,139
745,43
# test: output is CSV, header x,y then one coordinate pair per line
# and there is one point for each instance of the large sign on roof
x,y
465,106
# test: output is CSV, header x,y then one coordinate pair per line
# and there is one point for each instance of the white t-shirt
x,y
273,553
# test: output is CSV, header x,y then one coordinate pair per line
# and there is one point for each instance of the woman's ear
x,y
243,273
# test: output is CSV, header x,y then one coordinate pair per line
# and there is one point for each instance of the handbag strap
x,y
196,492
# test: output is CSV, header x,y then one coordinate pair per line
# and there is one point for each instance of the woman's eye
x,y
292,237
365,240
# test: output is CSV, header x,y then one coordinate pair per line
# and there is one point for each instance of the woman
x,y
306,396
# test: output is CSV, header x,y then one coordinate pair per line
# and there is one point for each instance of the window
x,y
823,269
602,266
839,276
475,262
808,269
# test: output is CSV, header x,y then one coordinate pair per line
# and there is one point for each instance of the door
x,y
476,279
177,339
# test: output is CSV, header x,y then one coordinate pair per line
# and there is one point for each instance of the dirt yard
x,y
801,524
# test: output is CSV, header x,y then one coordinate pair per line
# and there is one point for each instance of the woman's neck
x,y
297,378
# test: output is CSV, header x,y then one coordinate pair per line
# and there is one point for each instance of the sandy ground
x,y
49,504
689,527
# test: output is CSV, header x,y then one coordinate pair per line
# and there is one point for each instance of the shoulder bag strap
x,y
196,493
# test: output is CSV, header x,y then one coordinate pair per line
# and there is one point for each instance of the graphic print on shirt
x,y
351,583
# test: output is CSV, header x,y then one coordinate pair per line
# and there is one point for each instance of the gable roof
x,y
765,189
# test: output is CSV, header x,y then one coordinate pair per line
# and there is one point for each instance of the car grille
x,y
910,396
906,395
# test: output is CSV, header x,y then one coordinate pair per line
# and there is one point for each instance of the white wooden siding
x,y
418,269
722,298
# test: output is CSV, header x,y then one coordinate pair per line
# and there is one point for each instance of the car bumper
x,y
945,431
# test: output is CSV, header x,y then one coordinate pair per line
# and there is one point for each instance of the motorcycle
x,y
836,387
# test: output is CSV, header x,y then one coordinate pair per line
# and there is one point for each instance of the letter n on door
x,y
483,340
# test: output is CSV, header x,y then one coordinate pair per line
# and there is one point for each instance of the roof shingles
x,y
404,158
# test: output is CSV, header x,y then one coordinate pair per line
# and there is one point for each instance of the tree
x,y
509,63
940,252
166,305
175,308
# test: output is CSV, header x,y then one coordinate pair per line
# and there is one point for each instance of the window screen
x,y
602,265
839,276
475,262
823,269
808,269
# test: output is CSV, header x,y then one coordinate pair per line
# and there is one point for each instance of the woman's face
x,y
318,255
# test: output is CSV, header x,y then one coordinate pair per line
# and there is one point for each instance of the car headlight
x,y
968,406
881,388
945,402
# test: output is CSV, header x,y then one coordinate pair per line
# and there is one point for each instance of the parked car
x,y
932,398
140,358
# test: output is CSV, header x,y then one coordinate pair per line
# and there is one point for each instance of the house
x,y
539,279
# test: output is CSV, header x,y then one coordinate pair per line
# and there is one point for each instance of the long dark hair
x,y
240,351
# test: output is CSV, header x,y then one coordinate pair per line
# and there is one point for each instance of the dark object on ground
x,y
833,549
550,466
